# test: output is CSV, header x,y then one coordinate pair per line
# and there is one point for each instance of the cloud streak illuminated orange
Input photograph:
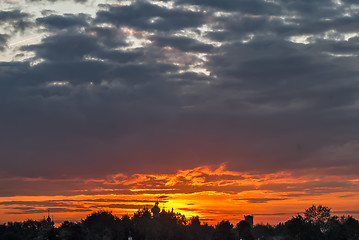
x,y
213,193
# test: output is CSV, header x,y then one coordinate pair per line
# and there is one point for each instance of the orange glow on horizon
x,y
211,194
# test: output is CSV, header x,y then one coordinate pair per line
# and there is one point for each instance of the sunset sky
x,y
215,108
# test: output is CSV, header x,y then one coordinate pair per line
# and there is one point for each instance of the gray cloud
x,y
3,41
146,16
242,6
63,22
182,43
14,15
149,88
16,19
64,47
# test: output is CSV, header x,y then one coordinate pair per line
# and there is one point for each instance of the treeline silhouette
x,y
316,223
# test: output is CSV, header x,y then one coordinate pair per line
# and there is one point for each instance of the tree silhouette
x,y
317,215
298,228
198,231
102,225
71,231
126,227
263,231
223,231
315,224
350,227
244,230
144,227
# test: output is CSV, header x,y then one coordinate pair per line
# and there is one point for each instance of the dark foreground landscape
x,y
316,223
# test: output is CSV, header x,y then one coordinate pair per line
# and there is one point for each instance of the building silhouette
x,y
249,219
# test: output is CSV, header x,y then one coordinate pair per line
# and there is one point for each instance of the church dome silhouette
x,y
155,210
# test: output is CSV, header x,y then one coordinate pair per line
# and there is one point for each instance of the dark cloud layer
x,y
14,15
243,6
17,20
144,15
182,43
3,41
262,86
63,22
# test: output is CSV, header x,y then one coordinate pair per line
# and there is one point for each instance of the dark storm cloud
x,y
118,56
16,19
318,9
64,47
63,22
182,43
14,15
292,21
146,16
350,2
242,6
283,77
313,26
143,87
110,37
3,41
